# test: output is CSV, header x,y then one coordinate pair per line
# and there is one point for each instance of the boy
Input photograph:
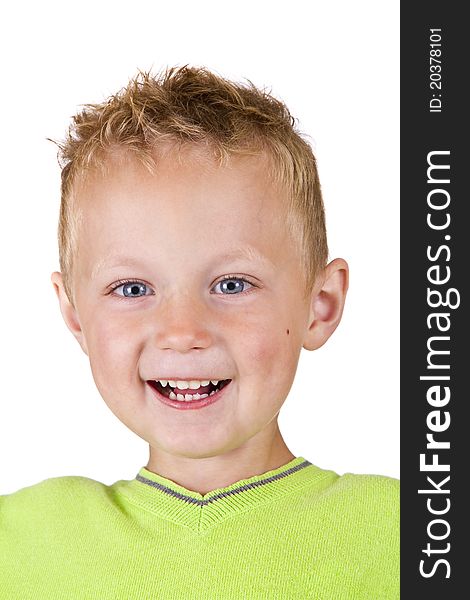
x,y
194,269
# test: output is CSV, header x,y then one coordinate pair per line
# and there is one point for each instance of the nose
x,y
182,324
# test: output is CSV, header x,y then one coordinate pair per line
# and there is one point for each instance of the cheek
x,y
271,363
269,349
113,352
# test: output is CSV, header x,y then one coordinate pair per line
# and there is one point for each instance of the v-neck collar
x,y
174,502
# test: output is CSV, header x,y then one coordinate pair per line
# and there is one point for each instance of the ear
x,y
69,312
327,303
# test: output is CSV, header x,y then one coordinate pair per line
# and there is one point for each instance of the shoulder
x,y
372,499
51,497
360,521
54,513
369,506
54,485
347,527
45,522
361,510
356,490
371,489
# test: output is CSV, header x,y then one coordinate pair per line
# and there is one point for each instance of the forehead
x,y
190,207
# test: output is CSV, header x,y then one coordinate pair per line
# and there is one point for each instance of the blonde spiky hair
x,y
191,105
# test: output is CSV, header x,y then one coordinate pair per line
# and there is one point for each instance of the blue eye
x,y
132,289
233,285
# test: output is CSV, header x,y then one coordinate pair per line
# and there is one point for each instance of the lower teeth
x,y
170,393
189,397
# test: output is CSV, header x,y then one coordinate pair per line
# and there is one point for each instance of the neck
x,y
204,474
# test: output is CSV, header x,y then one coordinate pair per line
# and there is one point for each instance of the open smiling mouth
x,y
201,392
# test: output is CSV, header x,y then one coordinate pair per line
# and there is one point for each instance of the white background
x,y
335,64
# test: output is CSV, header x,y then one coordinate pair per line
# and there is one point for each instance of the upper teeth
x,y
184,385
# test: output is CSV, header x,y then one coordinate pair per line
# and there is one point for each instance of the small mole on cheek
x,y
287,331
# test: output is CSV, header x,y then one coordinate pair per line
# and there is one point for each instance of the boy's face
x,y
175,235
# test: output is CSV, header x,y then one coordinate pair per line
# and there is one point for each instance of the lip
x,y
193,404
198,378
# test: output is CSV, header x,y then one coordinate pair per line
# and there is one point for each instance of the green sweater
x,y
296,532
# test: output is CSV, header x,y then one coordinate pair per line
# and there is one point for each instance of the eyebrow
x,y
112,262
245,252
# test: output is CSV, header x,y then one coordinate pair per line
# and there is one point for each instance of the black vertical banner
x,y
434,259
